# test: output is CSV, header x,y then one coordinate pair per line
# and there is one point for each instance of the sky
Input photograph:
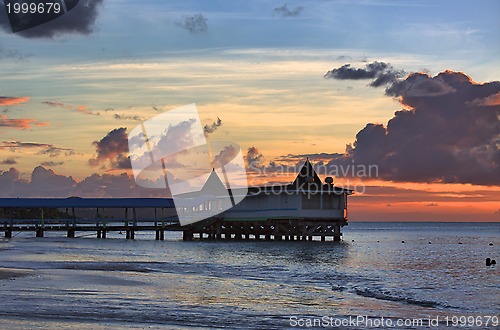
x,y
408,86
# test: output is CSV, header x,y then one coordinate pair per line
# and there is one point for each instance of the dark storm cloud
x,y
379,72
284,11
80,20
112,150
213,127
194,24
449,133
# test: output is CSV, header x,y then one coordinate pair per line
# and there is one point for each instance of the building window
x,y
331,202
311,201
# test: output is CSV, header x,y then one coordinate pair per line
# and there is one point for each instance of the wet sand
x,y
10,273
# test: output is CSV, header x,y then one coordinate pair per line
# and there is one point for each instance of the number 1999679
x,y
26,7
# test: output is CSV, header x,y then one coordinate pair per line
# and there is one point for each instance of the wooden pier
x,y
277,230
100,228
212,229
98,215
305,210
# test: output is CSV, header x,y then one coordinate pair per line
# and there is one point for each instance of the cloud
x,y
284,11
128,117
208,129
11,181
225,156
490,100
22,123
14,54
51,164
444,135
45,148
85,110
80,20
18,144
112,150
6,100
194,24
8,161
79,108
254,158
48,183
379,72
316,157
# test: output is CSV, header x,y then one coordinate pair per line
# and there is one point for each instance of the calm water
x,y
86,283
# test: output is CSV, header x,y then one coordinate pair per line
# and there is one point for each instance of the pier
x,y
303,210
102,216
99,215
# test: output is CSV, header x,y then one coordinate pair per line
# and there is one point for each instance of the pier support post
x,y
71,233
160,234
336,233
8,233
39,232
99,234
104,233
187,235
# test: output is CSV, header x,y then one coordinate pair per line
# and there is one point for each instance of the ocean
x,y
382,275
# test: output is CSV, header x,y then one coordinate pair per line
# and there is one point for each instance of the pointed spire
x,y
214,185
307,174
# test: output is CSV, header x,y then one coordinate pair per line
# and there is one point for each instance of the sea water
x,y
394,275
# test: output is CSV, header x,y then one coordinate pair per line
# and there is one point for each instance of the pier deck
x,y
102,215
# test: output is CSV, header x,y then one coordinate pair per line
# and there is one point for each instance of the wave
x,y
139,267
391,297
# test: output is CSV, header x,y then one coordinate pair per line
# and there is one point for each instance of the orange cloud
x,y
491,100
79,108
22,123
4,100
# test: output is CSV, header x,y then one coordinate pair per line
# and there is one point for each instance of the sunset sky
x,y
410,86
